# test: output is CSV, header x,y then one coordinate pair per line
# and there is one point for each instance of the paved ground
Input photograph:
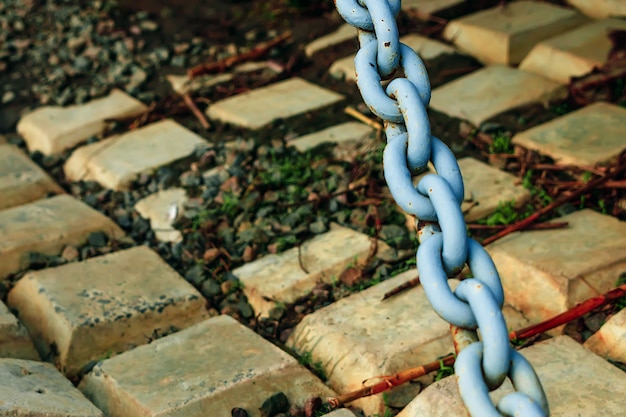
x,y
115,330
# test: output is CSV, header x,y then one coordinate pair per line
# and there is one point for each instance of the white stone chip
x,y
162,208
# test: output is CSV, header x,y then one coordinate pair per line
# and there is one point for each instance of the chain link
x,y
444,248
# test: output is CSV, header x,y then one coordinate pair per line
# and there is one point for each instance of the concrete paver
x,y
492,90
576,383
15,342
426,48
610,341
182,84
344,33
22,180
360,337
572,53
53,129
206,369
599,9
589,136
430,7
342,133
279,278
35,389
509,32
47,226
161,209
547,272
104,305
258,108
117,161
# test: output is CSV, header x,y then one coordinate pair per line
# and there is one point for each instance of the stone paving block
x,y
206,369
492,90
576,382
104,305
53,129
426,48
361,336
36,389
588,136
161,209
15,342
117,161
599,9
182,84
258,108
22,180
342,133
341,412
547,272
280,278
47,226
344,33
573,53
430,7
610,341
505,36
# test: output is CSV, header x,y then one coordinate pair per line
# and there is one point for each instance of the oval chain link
x,y
444,248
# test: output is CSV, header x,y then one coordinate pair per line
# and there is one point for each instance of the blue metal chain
x,y
444,248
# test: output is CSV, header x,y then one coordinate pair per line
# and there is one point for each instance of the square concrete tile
x,y
105,305
258,108
599,9
576,383
280,278
15,341
206,369
344,33
505,35
589,136
53,129
572,53
21,179
47,226
342,133
35,389
360,337
115,162
487,92
549,271
610,341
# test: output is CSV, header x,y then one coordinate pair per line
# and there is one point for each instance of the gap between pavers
x,y
162,208
505,35
53,129
21,179
279,278
361,337
258,108
547,272
104,305
576,383
115,162
599,9
492,90
591,135
572,53
204,370
610,341
425,47
46,226
344,33
340,134
36,389
15,341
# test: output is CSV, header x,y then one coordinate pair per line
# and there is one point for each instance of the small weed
x,y
534,190
388,412
306,359
602,206
560,109
506,213
621,303
444,371
501,144
586,176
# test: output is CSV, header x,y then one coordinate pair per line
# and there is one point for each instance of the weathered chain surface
x,y
445,248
